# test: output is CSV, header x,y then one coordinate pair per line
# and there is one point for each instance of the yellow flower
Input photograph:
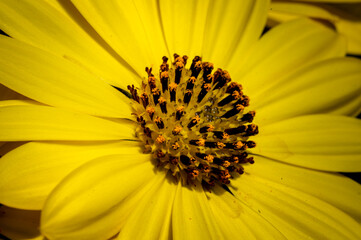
x,y
342,15
84,168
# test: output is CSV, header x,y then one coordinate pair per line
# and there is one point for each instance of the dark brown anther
x,y
173,91
207,69
187,96
224,177
134,93
165,65
218,134
150,110
206,87
156,95
190,83
237,130
163,104
179,65
234,87
145,99
164,79
196,66
185,160
159,122
250,144
179,112
235,110
173,160
208,128
148,132
221,79
160,154
195,120
250,160
248,117
252,130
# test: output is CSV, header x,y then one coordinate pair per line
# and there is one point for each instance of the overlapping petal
x,y
42,24
24,123
20,224
34,169
323,142
344,17
295,214
331,86
90,202
273,58
56,81
133,29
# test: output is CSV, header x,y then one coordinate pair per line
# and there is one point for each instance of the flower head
x,y
113,152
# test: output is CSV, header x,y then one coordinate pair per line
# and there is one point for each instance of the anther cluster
x,y
194,122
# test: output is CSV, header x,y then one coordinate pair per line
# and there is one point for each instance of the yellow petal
x,y
331,86
24,102
284,50
335,189
55,81
237,220
191,217
43,25
22,123
88,203
133,30
232,27
295,214
331,1
324,142
19,224
345,17
30,172
6,94
184,25
151,218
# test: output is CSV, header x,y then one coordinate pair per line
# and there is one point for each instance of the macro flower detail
x,y
90,142
193,121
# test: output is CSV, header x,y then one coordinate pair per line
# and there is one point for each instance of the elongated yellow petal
x,y
22,123
331,86
30,172
237,220
345,17
231,28
336,189
331,1
132,29
152,213
42,25
324,142
284,50
19,224
88,203
295,214
184,25
55,81
191,217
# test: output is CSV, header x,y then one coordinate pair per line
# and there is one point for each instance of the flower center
x,y
194,121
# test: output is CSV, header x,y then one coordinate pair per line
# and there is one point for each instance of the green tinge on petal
x,y
56,81
284,50
295,214
331,86
23,123
30,172
61,30
88,203
323,142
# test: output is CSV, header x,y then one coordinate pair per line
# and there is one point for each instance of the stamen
x,y
195,122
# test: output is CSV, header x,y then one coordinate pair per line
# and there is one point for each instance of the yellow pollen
x,y
239,107
201,142
209,158
180,109
160,139
220,145
150,109
161,100
175,146
225,136
210,128
177,130
173,86
164,74
238,145
226,164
